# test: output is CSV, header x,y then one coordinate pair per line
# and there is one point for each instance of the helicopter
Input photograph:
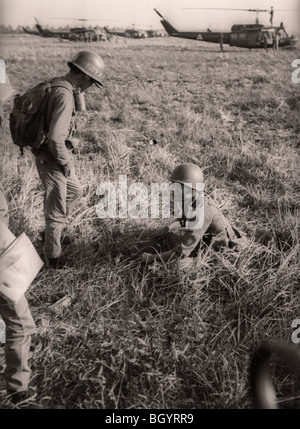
x,y
129,33
117,32
135,34
32,32
43,32
74,34
241,35
86,34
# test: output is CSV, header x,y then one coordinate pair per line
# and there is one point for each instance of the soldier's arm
x,y
188,243
192,237
59,127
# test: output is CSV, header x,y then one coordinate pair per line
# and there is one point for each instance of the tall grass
x,y
112,334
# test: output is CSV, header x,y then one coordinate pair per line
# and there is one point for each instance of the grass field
x,y
111,334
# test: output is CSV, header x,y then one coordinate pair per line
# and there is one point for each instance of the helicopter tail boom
x,y
167,26
206,36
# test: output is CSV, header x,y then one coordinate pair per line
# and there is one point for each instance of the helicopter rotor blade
x,y
159,14
86,19
225,8
246,10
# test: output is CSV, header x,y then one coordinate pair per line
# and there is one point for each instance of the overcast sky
x,y
140,13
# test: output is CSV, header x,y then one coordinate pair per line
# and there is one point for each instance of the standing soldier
x,y
221,42
265,40
19,325
276,42
271,15
54,158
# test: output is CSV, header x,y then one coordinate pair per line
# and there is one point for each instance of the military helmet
x,y
90,64
187,174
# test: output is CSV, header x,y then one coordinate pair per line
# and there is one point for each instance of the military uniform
x,y
19,324
61,193
216,231
183,242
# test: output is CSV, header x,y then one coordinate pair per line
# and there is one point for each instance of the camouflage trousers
x,y
61,195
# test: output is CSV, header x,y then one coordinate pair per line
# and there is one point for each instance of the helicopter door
x,y
243,39
233,39
238,39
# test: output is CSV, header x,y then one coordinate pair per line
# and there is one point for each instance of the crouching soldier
x,y
201,223
54,158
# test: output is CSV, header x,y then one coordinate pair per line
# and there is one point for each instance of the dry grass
x,y
120,336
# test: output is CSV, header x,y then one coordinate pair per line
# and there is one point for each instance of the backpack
x,y
27,118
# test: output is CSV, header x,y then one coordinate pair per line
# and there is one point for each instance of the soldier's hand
x,y
66,170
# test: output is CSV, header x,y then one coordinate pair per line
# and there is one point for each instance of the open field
x,y
111,334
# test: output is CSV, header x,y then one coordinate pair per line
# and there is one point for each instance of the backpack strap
x,y
61,82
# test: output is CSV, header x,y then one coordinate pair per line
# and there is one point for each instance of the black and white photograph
x,y
149,207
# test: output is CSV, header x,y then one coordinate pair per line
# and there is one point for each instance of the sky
x,y
140,13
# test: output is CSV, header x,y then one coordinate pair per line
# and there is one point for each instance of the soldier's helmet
x,y
89,63
188,174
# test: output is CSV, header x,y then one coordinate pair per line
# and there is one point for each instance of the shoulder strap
x,y
62,83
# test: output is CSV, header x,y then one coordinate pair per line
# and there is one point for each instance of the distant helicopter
x,y
116,32
86,34
47,33
74,34
32,32
241,35
130,33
